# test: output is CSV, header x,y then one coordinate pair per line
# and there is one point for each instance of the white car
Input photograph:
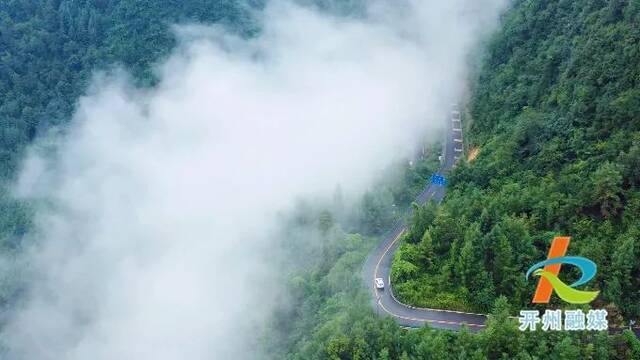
x,y
379,283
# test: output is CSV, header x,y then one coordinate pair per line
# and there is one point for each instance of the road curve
x,y
378,264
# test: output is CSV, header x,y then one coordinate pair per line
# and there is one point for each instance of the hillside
x,y
553,121
49,49
555,115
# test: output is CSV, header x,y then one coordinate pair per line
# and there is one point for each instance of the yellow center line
x,y
375,273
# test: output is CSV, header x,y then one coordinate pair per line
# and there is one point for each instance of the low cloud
x,y
154,208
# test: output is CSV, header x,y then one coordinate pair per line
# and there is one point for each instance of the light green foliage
x,y
328,314
556,112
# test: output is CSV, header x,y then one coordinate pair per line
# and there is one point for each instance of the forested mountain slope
x,y
555,115
49,49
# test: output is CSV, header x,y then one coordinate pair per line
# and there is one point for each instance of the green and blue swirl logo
x,y
549,269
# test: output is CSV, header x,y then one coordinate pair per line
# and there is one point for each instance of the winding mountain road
x,y
378,264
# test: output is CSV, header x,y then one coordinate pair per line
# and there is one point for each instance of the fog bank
x,y
155,207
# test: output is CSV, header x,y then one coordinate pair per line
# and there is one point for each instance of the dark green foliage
x,y
50,48
556,112
381,207
556,115
328,316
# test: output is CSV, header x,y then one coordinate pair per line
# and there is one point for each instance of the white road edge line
x,y
384,253
375,275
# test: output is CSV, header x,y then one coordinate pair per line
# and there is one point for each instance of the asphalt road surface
x,y
378,264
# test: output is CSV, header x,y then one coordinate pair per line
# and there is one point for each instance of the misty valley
x,y
319,179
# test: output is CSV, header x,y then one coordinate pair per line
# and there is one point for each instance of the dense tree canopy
x,y
49,49
555,114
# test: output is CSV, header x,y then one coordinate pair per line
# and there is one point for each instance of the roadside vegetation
x,y
326,312
555,108
555,118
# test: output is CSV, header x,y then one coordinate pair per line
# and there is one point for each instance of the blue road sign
x,y
438,179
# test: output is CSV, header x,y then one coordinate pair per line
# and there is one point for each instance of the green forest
x,y
49,50
553,112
